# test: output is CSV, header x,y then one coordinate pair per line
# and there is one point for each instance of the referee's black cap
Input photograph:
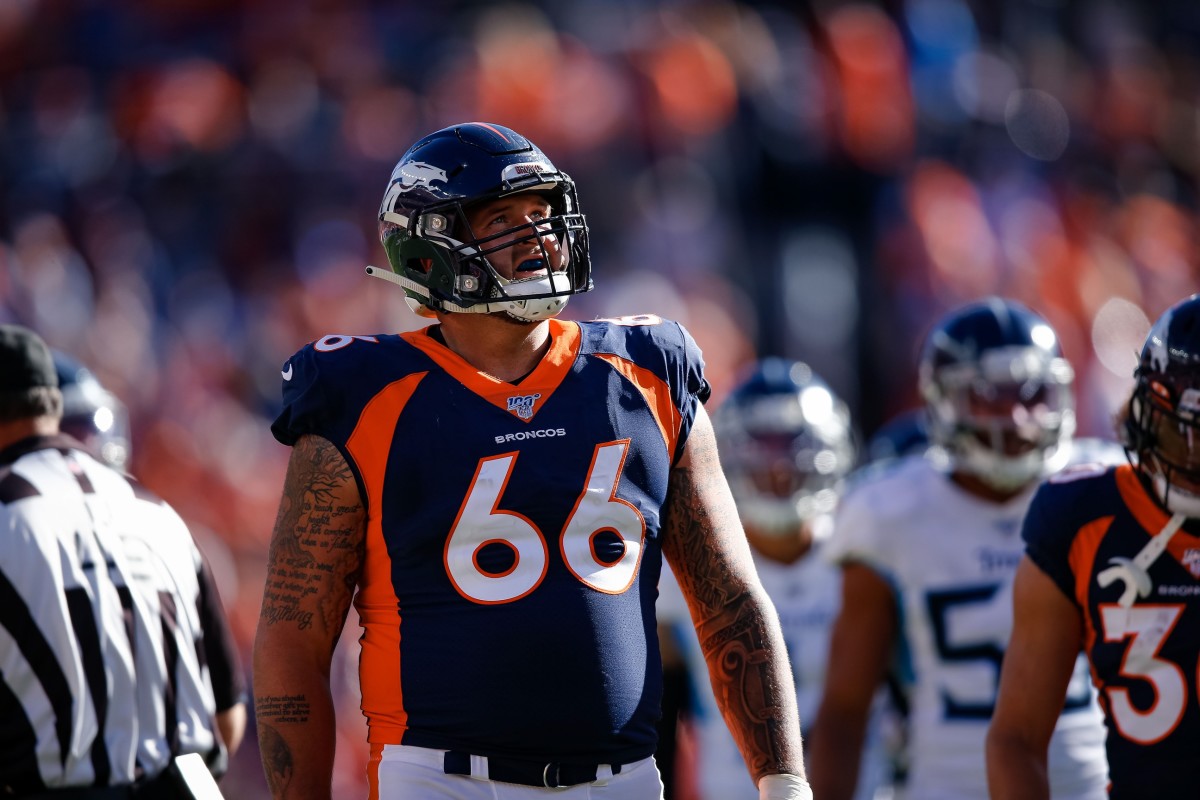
x,y
25,360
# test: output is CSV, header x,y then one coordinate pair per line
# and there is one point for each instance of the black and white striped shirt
x,y
104,602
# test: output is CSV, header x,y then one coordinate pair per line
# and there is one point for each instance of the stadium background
x,y
188,192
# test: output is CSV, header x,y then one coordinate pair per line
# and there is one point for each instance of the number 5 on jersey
x,y
481,522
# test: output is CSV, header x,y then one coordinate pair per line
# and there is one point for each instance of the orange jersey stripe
x,y
1141,505
545,378
376,601
657,394
1150,515
1082,558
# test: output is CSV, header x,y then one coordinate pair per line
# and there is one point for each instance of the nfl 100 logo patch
x,y
522,406
1191,560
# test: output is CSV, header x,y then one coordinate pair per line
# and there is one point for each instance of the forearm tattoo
x,y
278,761
278,764
746,664
317,549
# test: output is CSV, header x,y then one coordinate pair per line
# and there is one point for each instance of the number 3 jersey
x,y
1144,658
951,558
513,543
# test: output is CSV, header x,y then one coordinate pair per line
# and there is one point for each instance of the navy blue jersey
x,y
513,544
1144,658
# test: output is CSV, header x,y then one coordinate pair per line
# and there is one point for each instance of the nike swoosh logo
x,y
287,373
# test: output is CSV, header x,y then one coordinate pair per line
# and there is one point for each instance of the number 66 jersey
x,y
513,531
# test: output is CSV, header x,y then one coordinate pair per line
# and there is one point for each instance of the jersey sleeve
x,y
308,406
692,387
666,350
857,531
1048,533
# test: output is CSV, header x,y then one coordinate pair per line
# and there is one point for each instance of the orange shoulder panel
x,y
1082,559
657,394
545,378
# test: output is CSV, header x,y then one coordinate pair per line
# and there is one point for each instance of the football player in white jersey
x,y
110,628
929,548
786,445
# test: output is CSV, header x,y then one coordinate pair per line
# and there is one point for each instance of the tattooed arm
x,y
735,620
314,563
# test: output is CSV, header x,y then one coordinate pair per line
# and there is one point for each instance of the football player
x,y
1112,565
496,494
929,548
787,445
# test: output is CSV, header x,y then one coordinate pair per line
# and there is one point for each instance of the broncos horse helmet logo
x,y
417,173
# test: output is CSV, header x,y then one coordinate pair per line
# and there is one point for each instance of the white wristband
x,y
783,787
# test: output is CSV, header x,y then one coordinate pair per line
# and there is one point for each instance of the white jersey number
x,y
598,511
1149,626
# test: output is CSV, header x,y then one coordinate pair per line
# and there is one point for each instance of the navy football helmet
x,y
436,257
1162,428
91,413
786,445
998,393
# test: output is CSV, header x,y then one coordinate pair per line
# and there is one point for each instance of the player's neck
x,y
15,430
499,347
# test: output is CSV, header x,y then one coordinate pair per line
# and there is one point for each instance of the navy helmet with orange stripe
x,y
1162,428
998,393
434,255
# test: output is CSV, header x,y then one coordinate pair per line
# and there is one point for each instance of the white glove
x,y
783,787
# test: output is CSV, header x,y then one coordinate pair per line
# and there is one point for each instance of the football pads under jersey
x,y
513,544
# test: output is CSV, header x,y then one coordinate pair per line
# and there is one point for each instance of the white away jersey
x,y
951,558
104,676
806,595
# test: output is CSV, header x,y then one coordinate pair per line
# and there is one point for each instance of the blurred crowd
x,y
188,194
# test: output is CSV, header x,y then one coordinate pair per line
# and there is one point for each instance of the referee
x,y
110,627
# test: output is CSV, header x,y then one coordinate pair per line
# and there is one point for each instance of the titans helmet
x,y
91,413
786,445
441,263
1162,428
998,393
